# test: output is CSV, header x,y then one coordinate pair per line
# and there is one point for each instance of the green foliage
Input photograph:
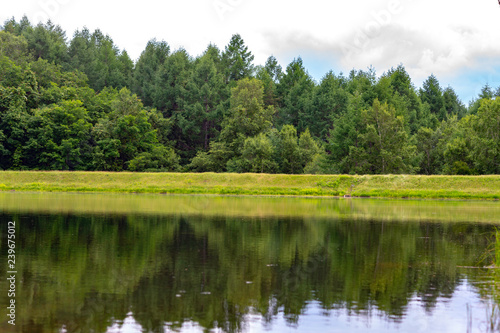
x,y
452,103
12,75
237,59
295,92
294,152
203,162
308,148
344,138
329,101
205,110
427,141
247,117
273,68
385,146
257,153
96,55
46,41
14,47
145,71
270,97
315,166
60,138
170,81
432,94
289,150
126,138
201,105
215,160
455,145
485,153
47,74
404,98
160,158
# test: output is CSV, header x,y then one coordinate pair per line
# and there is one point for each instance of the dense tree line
x,y
83,104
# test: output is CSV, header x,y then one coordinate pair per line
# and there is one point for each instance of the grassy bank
x,y
389,186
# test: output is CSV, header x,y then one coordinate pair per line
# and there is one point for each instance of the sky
x,y
456,40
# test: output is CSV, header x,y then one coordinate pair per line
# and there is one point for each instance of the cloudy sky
x,y
456,40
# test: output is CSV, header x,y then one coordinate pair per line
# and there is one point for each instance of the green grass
x,y
388,186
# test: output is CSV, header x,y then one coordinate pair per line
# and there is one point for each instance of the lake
x,y
160,263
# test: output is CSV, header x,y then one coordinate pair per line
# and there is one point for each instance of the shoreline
x,y
252,207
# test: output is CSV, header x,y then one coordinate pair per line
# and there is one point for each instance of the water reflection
x,y
114,272
154,204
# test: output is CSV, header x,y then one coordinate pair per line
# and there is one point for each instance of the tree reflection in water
x,y
89,272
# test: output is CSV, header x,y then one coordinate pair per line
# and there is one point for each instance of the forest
x,y
81,103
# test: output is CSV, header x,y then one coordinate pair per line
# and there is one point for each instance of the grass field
x,y
388,186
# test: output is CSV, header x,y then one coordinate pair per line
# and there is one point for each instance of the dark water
x,y
316,265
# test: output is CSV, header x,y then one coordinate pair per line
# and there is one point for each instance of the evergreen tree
x,y
432,94
345,138
329,101
273,68
452,103
46,41
237,59
170,83
96,55
146,68
404,98
295,93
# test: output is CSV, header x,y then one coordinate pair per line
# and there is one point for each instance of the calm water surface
x,y
153,263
